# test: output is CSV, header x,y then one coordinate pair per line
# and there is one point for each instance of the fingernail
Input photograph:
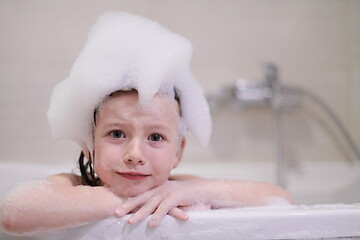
x,y
119,212
131,220
184,217
153,223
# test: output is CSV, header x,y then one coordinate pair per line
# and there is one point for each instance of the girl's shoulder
x,y
65,179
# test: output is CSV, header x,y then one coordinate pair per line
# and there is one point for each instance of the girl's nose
x,y
134,154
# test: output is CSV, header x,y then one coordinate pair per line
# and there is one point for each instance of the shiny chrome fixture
x,y
247,92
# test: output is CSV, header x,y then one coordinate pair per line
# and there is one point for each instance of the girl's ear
x,y
180,151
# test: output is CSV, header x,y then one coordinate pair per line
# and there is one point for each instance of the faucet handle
x,y
271,74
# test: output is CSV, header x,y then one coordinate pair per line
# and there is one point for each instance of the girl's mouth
x,y
135,176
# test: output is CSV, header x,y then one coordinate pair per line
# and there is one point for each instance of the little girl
x,y
128,101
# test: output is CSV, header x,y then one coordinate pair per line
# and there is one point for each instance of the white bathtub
x,y
324,217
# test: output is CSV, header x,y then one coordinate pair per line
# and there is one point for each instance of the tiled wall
x,y
315,43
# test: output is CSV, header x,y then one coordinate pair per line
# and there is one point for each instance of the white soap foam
x,y
123,52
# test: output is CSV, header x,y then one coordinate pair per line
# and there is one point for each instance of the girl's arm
x,y
173,196
59,201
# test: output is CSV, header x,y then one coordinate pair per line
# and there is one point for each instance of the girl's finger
x,y
148,208
162,210
132,204
178,214
156,219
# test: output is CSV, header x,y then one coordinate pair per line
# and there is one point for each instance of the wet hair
x,y
88,176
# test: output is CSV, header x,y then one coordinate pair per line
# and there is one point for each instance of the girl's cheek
x,y
105,165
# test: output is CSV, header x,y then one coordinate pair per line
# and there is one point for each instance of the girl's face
x,y
136,147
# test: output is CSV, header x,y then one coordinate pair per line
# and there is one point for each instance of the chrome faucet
x,y
247,92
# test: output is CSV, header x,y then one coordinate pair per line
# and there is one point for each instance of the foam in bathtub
x,y
122,52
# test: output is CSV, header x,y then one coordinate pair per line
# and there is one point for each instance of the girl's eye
x,y
155,137
117,134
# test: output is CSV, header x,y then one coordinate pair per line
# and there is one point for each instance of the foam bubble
x,y
123,52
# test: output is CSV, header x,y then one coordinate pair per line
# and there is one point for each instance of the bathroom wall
x,y
315,43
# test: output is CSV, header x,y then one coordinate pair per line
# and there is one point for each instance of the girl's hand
x,y
172,198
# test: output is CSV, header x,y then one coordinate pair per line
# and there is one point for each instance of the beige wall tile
x,y
315,43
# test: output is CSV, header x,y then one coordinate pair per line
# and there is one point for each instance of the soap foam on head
x,y
124,52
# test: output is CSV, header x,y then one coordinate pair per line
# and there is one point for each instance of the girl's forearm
x,y
42,206
235,193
